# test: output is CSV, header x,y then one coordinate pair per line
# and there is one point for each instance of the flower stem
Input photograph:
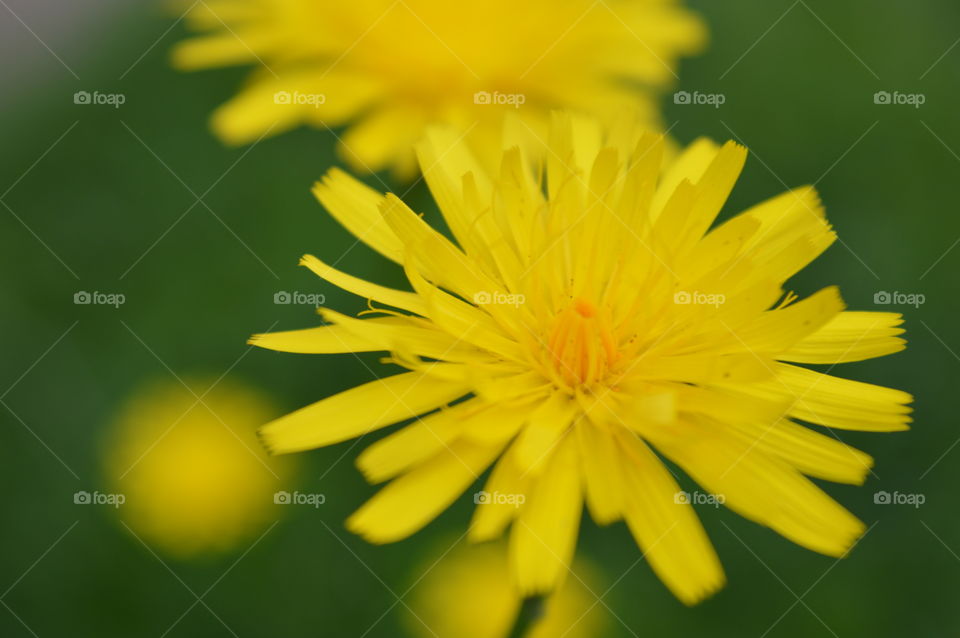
x,y
531,611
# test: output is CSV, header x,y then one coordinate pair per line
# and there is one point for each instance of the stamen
x,y
581,345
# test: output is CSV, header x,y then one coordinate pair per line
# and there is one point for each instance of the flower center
x,y
581,344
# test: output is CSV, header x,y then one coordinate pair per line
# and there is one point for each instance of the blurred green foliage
x,y
113,207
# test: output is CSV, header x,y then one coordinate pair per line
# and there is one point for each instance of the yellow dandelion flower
x,y
195,478
388,68
468,594
577,329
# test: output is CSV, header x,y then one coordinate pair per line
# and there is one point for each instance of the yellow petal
x,y
360,287
416,498
850,336
357,207
507,491
497,423
759,487
543,537
690,165
835,402
438,259
380,138
413,444
793,232
812,453
603,487
408,336
464,321
711,190
445,160
719,250
548,424
777,330
271,105
320,340
574,142
706,368
217,50
665,526
359,410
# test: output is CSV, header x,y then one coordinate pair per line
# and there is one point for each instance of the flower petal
x,y
603,488
359,410
491,518
759,487
545,534
362,288
416,498
357,207
834,402
319,340
547,426
665,527
413,444
850,336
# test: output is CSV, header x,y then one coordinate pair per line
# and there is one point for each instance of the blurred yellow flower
x,y
195,477
388,68
469,594
575,327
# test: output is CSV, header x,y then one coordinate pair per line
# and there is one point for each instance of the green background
x,y
799,80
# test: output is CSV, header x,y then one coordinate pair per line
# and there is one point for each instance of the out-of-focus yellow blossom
x,y
388,68
469,594
195,477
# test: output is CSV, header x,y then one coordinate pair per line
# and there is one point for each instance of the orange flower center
x,y
581,344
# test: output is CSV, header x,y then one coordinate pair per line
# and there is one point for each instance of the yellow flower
x,y
195,478
468,594
576,329
388,68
